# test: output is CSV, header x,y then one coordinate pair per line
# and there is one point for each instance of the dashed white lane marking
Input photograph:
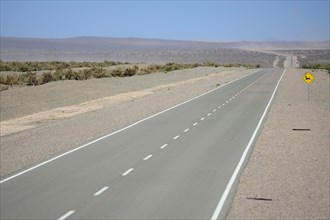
x,y
147,157
186,130
127,171
176,137
223,104
66,215
195,123
227,101
162,147
202,119
219,107
209,114
214,110
101,191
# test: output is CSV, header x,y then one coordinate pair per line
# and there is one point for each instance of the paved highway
x,y
180,163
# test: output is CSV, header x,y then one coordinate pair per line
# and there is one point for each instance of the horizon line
x,y
166,39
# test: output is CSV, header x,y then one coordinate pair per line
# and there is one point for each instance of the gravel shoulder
x,y
290,168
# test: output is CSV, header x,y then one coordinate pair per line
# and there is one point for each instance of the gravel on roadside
x,y
287,175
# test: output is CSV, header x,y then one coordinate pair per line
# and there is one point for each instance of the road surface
x,y
181,163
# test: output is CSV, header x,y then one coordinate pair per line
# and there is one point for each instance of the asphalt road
x,y
179,164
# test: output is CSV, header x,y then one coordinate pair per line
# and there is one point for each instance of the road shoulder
x,y
287,175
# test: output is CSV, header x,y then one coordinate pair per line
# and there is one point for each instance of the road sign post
x,y
308,78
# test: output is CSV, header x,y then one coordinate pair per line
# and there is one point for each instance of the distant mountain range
x,y
138,44
145,50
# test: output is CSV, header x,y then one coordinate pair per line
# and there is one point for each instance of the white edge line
x,y
66,215
240,163
101,191
127,171
120,130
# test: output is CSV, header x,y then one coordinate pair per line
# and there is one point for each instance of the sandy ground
x,y
290,168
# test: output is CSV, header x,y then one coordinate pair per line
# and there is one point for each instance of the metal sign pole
x,y
308,91
308,78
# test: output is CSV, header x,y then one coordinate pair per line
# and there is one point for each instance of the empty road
x,y
180,163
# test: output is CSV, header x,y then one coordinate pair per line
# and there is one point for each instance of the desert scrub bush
x,y
173,66
151,69
32,79
144,71
209,64
47,77
86,74
131,71
71,75
317,66
98,72
118,72
59,74
51,65
4,66
11,80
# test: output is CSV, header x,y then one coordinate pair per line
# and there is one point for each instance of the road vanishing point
x,y
181,163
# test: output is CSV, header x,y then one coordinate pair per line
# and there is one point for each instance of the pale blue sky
x,y
306,20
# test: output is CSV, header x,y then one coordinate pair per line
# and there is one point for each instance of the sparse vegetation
x,y
26,73
53,65
317,66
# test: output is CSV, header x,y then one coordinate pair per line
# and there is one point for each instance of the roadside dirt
x,y
287,175
34,120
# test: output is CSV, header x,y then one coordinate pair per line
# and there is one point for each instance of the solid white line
x,y
127,171
162,147
202,119
66,215
196,123
240,163
176,137
147,157
101,191
120,130
186,130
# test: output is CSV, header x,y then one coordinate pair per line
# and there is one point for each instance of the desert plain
x,y
287,175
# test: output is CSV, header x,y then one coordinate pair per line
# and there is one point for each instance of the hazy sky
x,y
306,20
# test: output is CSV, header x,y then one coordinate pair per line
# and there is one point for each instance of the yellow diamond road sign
x,y
308,78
